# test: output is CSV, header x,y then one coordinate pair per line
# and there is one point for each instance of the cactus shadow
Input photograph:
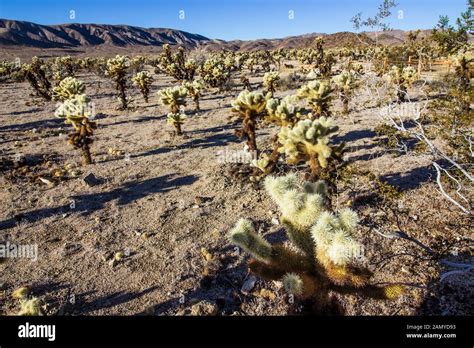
x,y
82,307
354,136
410,180
49,123
89,203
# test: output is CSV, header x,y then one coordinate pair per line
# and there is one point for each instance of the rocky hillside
x,y
19,33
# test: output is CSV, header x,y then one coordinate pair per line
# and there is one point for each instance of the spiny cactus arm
x,y
298,207
293,284
243,234
264,270
305,286
346,275
301,238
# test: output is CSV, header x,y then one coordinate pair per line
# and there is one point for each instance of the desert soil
x,y
164,201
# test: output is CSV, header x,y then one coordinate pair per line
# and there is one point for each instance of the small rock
x,y
275,221
91,180
204,308
248,285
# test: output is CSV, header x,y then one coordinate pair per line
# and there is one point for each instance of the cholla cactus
x,y
345,82
173,97
176,119
143,81
318,96
327,248
194,89
249,106
68,88
283,112
402,78
137,64
117,69
65,67
308,141
270,80
176,64
35,74
214,72
246,82
77,111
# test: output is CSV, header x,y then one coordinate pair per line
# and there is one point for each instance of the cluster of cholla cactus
x,y
318,95
249,106
174,98
76,110
35,74
309,141
270,80
68,88
283,113
143,81
194,90
117,69
214,72
176,64
137,64
345,82
64,67
402,78
326,251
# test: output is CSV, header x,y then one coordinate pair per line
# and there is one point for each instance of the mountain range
x,y
20,34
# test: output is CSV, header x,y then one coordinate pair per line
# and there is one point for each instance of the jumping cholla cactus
x,y
270,80
345,81
283,112
402,78
246,82
194,89
176,120
68,88
249,106
76,111
117,69
214,72
35,74
174,98
143,81
327,248
318,96
308,141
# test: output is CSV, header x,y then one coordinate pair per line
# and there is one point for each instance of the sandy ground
x,y
163,199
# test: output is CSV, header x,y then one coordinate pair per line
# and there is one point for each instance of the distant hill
x,y
19,33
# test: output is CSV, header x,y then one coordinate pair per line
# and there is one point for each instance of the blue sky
x,y
230,19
